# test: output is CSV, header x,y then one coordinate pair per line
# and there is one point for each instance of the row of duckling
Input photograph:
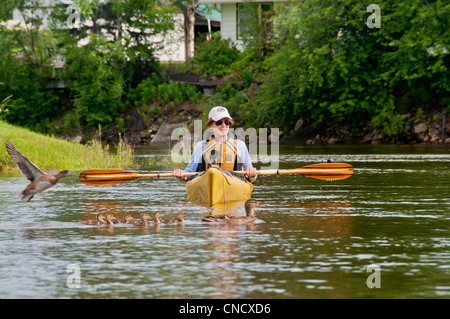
x,y
109,219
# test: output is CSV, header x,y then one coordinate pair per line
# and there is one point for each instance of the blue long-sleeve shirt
x,y
197,155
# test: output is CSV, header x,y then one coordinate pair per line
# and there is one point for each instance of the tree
x,y
189,9
26,64
29,40
330,65
190,26
109,51
132,22
256,27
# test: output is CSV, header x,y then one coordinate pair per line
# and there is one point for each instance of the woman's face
x,y
220,131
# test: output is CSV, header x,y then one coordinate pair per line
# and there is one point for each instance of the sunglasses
x,y
219,122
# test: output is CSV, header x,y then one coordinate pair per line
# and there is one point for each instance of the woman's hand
x,y
250,171
178,173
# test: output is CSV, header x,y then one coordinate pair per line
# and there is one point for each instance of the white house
x,y
233,20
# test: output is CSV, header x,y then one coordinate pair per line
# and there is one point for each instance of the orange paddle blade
x,y
104,177
324,171
327,171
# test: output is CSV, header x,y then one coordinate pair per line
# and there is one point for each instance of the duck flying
x,y
40,181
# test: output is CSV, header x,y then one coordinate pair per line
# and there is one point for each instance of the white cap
x,y
218,112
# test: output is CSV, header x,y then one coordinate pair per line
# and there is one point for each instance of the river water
x,y
382,233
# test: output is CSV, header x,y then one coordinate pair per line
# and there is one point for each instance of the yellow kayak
x,y
215,186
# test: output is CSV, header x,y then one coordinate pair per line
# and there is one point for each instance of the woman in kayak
x,y
220,149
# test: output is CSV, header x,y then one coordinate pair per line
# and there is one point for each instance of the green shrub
x,y
32,106
97,81
156,110
144,93
25,94
153,90
215,57
389,122
4,105
177,93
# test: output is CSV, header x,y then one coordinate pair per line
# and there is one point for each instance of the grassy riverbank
x,y
48,152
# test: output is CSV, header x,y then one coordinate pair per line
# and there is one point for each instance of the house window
x,y
253,18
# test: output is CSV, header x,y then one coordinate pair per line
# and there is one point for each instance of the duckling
x,y
40,181
156,218
109,219
115,220
101,220
128,219
236,219
179,219
144,220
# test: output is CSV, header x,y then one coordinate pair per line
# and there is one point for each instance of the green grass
x,y
48,152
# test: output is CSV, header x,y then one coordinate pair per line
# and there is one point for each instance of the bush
x,y
30,104
144,93
177,93
215,57
97,81
23,87
153,90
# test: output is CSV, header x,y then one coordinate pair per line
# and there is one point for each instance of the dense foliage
x,y
108,51
215,57
329,64
25,64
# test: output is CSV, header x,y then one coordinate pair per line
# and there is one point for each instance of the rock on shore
x,y
433,130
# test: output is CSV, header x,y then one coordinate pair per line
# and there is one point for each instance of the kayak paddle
x,y
324,171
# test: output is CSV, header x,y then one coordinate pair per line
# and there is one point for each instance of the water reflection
x,y
333,218
119,209
224,246
231,208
